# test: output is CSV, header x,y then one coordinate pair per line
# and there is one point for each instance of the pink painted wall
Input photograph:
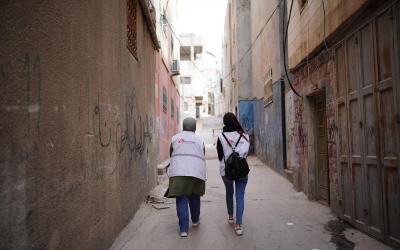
x,y
168,124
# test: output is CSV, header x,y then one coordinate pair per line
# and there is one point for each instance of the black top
x,y
220,150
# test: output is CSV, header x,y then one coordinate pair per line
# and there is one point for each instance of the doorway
x,y
321,150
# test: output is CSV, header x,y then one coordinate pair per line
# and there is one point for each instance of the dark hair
x,y
231,121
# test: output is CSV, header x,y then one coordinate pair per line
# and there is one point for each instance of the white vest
x,y
187,157
242,148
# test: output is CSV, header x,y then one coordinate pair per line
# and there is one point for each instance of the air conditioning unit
x,y
175,67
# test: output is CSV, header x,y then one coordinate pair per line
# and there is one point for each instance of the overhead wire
x,y
325,48
323,8
284,51
250,48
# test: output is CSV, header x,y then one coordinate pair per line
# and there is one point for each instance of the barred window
x,y
131,26
165,100
268,88
172,108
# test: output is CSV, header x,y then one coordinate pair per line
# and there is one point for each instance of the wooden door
x,y
322,175
367,83
386,83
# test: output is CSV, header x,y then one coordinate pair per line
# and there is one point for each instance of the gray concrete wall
x,y
243,59
269,137
266,53
76,108
227,60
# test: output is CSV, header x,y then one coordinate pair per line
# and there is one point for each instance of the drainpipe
x,y
282,53
149,13
283,106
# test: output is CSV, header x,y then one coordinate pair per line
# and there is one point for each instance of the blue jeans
x,y
182,203
240,186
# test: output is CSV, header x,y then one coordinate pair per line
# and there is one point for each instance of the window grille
x,y
131,26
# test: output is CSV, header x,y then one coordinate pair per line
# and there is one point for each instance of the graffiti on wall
x,y
135,132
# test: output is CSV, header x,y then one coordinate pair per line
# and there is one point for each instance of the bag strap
x,y
226,139
240,137
230,145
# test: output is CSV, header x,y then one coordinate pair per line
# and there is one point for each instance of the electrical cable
x,y
255,40
166,6
323,8
284,51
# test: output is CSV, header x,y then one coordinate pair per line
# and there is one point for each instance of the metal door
x,y
322,150
368,126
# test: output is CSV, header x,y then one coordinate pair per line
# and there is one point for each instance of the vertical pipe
x,y
283,106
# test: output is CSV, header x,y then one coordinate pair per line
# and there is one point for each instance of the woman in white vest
x,y
234,133
187,174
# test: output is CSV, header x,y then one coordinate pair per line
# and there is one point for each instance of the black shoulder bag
x,y
236,167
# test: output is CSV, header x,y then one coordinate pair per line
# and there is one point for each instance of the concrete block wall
x,y
77,155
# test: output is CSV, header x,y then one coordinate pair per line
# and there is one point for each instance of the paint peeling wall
x,y
317,76
246,119
267,70
268,130
77,155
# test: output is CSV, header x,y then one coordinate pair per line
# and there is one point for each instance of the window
x,y
172,108
131,26
268,88
165,99
185,53
186,80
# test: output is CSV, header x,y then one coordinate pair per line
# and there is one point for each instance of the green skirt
x,y
185,185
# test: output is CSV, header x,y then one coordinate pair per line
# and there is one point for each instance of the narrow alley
x,y
275,217
96,95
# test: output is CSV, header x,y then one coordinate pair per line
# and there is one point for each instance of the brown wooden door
x,y
373,206
368,126
346,200
322,174
386,83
